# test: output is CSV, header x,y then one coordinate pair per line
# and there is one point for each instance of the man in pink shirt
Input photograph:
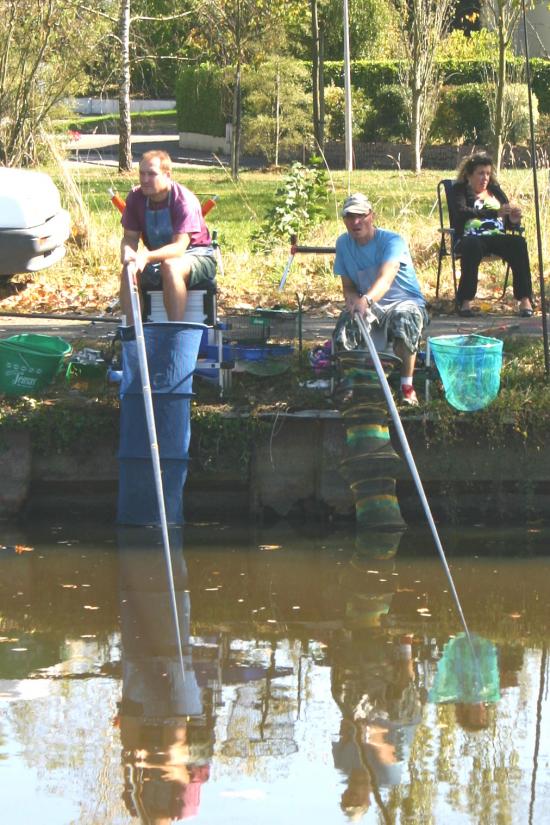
x,y
177,252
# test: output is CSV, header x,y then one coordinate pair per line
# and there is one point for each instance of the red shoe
x,y
408,395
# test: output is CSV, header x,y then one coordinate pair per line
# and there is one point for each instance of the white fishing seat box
x,y
201,308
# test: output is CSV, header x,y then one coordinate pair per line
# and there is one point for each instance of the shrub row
x,y
462,114
200,100
370,75
380,100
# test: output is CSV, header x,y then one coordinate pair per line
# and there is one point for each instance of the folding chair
x,y
447,243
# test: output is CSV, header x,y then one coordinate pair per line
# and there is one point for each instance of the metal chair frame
x,y
447,242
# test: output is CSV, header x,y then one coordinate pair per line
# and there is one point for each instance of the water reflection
x,y
322,680
165,720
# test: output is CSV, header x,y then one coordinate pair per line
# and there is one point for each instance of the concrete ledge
x,y
294,471
207,143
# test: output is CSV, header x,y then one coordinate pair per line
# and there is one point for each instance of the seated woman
x,y
486,223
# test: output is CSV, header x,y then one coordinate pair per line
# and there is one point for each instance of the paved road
x,y
103,150
316,327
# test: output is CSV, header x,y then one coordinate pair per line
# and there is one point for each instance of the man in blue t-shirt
x,y
378,275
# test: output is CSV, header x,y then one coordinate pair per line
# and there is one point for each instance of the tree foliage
x,y
235,33
423,24
277,108
44,46
502,16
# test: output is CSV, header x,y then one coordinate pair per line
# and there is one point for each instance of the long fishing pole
x,y
536,197
66,316
364,326
155,457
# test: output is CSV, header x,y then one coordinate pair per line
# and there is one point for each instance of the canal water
x,y
321,678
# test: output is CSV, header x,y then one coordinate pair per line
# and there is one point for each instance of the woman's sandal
x,y
468,313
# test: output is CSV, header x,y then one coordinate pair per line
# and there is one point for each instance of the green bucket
x,y
29,362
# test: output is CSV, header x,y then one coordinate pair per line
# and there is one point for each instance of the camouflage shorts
x,y
404,321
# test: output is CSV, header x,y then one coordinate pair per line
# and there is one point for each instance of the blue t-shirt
x,y
361,264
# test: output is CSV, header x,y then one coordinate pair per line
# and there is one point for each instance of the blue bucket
x,y
137,500
172,424
469,366
172,351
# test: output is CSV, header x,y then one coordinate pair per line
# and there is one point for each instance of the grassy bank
x,y
161,122
87,281
88,277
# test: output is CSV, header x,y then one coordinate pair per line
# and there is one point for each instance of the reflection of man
x,y
374,686
166,727
348,758
177,250
378,275
164,767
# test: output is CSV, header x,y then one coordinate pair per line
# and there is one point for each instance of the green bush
x,y
200,100
516,112
277,110
540,81
542,134
370,75
388,119
299,203
335,100
462,115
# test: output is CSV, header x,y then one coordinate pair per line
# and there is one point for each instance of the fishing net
x,y
467,672
469,366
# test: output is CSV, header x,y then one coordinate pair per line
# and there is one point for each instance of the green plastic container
x,y
29,362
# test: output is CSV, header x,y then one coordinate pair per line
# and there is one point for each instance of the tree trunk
x,y
497,143
236,130
416,124
125,123
277,114
322,89
317,76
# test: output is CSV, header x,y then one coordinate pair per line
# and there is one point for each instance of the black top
x,y
462,208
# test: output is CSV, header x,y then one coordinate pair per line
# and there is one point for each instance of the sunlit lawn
x,y
403,202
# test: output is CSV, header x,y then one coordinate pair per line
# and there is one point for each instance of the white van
x,y
33,226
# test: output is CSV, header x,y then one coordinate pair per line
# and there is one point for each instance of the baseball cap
x,y
356,204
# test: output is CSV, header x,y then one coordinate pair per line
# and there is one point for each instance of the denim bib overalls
x,y
158,232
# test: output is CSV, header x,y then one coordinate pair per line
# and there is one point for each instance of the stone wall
x,y
294,472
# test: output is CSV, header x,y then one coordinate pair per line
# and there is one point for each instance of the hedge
x,y
201,105
200,100
370,75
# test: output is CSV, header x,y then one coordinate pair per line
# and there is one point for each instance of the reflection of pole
x,y
536,197
543,665
364,326
155,455
347,89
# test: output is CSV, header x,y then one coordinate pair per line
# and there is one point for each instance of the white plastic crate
x,y
194,308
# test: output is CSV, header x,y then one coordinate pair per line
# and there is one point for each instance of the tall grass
x,y
403,202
